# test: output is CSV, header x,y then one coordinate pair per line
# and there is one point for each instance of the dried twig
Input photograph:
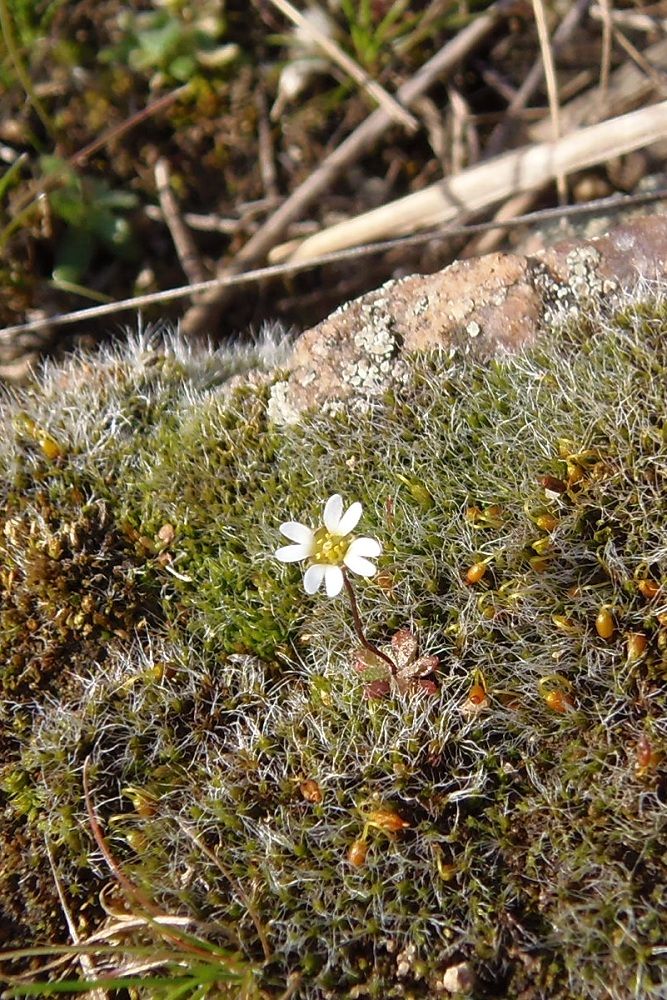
x,y
184,244
204,314
629,88
84,959
552,86
480,186
562,34
348,65
35,191
212,856
614,203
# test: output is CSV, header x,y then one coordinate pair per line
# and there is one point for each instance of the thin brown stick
x,y
348,65
605,59
184,244
552,87
498,138
614,203
657,77
488,241
629,87
267,159
492,181
204,314
359,628
212,856
132,890
85,961
77,160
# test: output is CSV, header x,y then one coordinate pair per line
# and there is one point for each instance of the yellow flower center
x,y
330,549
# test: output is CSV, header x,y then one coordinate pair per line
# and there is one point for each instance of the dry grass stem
x,y
334,52
487,242
201,316
628,88
184,244
85,961
605,60
483,185
552,86
562,35
612,204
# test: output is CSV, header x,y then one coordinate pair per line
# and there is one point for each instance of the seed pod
x,y
556,693
547,522
636,645
559,701
477,694
539,564
387,820
50,447
552,485
475,573
311,791
648,588
604,623
644,752
356,853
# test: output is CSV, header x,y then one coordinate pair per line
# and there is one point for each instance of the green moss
x,y
522,832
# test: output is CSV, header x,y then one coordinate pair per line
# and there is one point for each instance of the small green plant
x,y
373,25
94,215
173,42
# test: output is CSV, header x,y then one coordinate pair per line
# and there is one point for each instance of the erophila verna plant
x,y
332,550
484,812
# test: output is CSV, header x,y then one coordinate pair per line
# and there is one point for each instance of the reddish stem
x,y
358,628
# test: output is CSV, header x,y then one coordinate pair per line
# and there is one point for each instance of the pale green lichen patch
x,y
514,820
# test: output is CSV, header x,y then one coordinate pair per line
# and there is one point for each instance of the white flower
x,y
330,547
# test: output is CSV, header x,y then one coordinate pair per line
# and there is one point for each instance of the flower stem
x,y
358,627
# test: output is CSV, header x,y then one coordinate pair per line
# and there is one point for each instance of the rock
x,y
458,979
489,304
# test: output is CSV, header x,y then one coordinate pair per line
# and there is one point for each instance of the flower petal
x,y
359,565
333,579
312,578
333,511
292,553
296,532
368,547
349,520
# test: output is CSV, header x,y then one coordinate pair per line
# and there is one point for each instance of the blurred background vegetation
x,y
234,108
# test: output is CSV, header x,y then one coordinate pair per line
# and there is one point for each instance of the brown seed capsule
x,y
50,447
647,758
547,522
539,564
552,484
387,820
356,853
559,701
476,701
475,573
636,645
311,791
648,588
556,691
604,623
477,695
